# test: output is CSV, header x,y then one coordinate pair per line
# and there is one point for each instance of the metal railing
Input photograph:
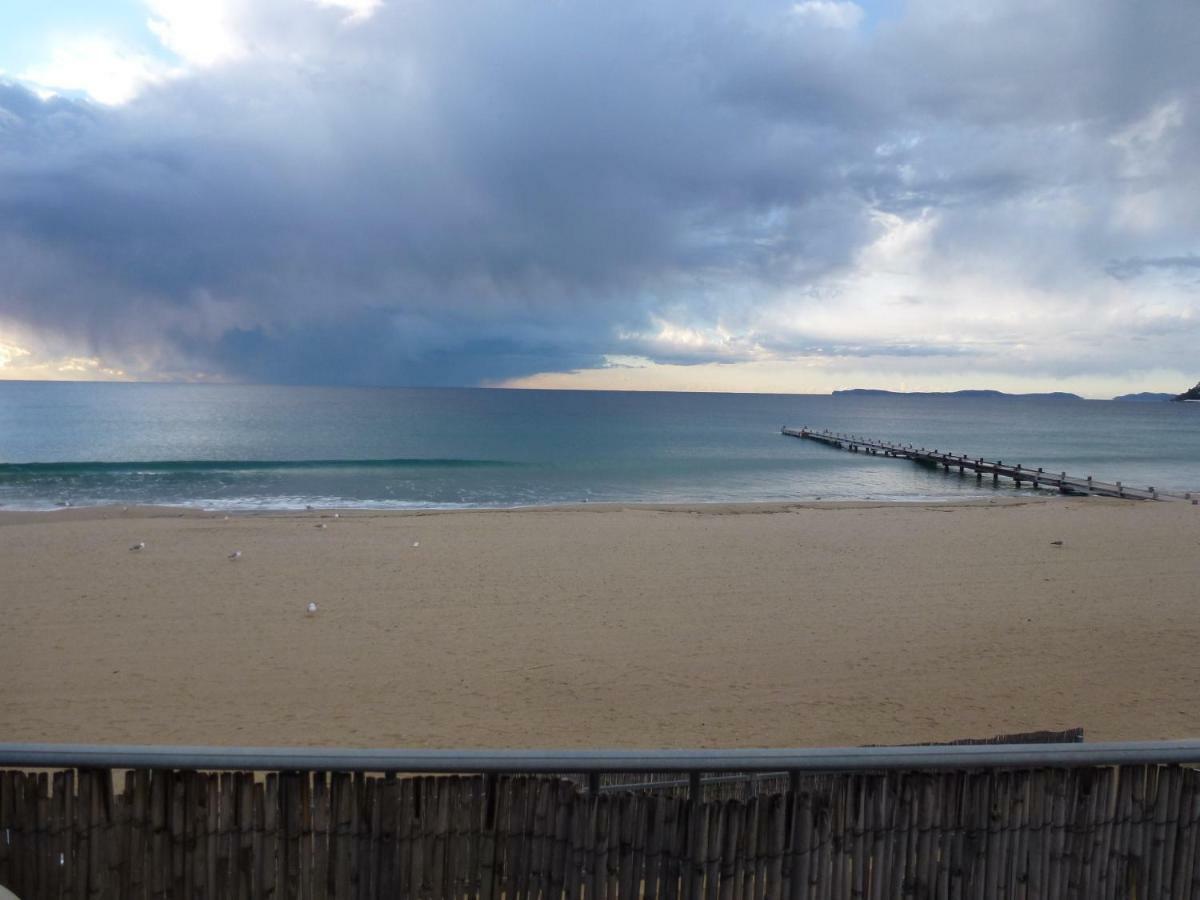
x,y
596,762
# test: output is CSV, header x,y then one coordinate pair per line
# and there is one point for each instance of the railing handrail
x,y
821,759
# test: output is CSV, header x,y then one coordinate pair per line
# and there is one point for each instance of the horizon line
x,y
488,387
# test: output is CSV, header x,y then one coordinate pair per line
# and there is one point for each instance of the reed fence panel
x,y
1104,832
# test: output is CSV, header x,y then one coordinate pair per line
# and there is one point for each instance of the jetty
x,y
1020,475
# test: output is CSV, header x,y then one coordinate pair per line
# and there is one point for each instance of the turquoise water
x,y
225,446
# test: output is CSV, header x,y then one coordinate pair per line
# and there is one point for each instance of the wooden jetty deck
x,y
1018,474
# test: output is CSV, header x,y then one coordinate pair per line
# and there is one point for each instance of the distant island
x,y
1146,397
872,392
1191,395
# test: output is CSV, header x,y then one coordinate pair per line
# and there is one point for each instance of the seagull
x,y
312,608
416,543
140,545
337,515
236,554
320,525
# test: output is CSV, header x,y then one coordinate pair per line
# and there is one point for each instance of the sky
x,y
790,197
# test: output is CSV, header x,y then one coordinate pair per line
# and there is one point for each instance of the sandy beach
x,y
760,625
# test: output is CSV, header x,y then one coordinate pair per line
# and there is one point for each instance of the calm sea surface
x,y
286,447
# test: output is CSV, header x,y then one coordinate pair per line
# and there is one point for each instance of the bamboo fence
x,y
743,785
1103,832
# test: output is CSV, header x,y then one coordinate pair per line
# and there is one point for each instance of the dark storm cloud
x,y
1135,266
449,195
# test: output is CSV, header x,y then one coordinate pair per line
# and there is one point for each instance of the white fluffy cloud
x,y
192,36
98,66
829,13
200,34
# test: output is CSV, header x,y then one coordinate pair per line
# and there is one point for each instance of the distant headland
x,y
873,392
1146,397
1191,396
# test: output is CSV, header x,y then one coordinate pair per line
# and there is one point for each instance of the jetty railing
x,y
1019,474
988,821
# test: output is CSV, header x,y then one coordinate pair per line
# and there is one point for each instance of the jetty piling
x,y
1017,473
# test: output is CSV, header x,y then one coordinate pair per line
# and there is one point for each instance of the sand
x,y
761,625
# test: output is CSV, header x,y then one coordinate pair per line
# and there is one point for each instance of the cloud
x,y
828,13
200,34
10,353
359,10
1135,266
401,192
97,65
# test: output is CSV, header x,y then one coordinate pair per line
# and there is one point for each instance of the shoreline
x,y
597,625
114,510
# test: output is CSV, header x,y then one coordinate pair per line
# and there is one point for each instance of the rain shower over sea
x,y
261,447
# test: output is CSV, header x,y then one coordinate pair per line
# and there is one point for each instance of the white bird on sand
x,y
312,608
140,545
337,515
236,554
320,525
416,543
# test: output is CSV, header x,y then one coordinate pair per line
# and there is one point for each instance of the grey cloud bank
x,y
445,194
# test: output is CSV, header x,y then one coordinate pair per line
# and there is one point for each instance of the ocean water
x,y
256,447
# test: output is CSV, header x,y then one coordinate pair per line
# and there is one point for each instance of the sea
x,y
239,447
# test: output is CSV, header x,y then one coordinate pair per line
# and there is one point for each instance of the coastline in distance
x,y
875,392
